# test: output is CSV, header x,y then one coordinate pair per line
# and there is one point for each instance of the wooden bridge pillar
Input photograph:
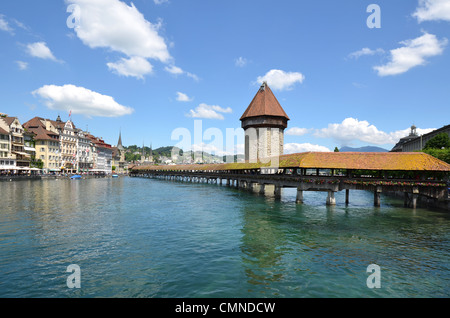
x,y
331,200
347,196
277,192
377,197
299,198
262,188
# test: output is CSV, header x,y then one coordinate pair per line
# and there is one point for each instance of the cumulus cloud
x,y
432,10
81,101
209,112
135,67
281,80
306,147
413,53
365,51
181,97
41,50
296,131
352,129
116,26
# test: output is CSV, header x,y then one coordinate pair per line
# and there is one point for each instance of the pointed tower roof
x,y
264,104
119,143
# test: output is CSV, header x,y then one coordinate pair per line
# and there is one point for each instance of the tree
x,y
336,149
438,142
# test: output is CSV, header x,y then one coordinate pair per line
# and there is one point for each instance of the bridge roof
x,y
403,161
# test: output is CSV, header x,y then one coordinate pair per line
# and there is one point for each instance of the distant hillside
x,y
363,149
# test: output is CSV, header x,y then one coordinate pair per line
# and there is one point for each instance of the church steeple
x,y
119,143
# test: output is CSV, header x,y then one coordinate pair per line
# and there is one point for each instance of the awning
x,y
21,153
29,149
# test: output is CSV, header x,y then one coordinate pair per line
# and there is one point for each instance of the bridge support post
x,y
277,192
331,200
415,196
377,197
262,188
299,198
347,196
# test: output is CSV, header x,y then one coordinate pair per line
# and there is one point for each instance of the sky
x,y
171,72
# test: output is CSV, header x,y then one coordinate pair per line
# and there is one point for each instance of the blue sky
x,y
148,67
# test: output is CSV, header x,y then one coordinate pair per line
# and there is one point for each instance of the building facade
x,y
414,142
17,156
46,142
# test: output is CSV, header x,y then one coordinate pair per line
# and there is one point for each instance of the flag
x,y
70,113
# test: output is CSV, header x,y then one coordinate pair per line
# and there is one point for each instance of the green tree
x,y
336,149
438,142
441,154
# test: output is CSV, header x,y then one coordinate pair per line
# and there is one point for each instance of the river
x,y
136,237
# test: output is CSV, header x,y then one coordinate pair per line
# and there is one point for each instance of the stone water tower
x,y
264,123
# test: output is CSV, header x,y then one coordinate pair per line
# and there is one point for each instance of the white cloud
x,y
81,101
281,80
116,26
296,131
352,129
365,51
135,67
4,25
209,112
181,97
412,54
193,76
175,70
430,10
41,50
22,65
240,61
306,147
160,1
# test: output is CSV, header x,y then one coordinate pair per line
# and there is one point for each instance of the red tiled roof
x,y
264,104
390,161
9,120
43,134
3,132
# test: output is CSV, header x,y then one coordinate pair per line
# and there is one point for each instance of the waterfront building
x,y
414,142
46,142
69,141
101,155
264,122
16,156
29,144
83,160
6,160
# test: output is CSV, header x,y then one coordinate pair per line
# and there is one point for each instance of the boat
x,y
75,177
115,176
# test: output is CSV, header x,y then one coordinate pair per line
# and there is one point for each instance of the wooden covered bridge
x,y
414,174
